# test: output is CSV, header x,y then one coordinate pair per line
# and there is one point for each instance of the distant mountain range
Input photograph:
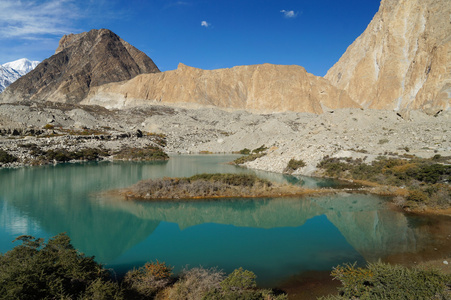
x,y
12,71
401,62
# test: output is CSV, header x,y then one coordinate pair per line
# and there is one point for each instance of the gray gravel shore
x,y
347,132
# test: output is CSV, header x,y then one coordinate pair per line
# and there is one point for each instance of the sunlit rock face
x,y
264,88
402,60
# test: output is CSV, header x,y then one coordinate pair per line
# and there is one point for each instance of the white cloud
x,y
205,24
177,4
29,19
289,13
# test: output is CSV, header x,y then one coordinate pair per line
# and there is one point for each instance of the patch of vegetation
x,y
293,165
55,270
63,155
384,281
226,133
260,149
248,158
148,153
230,179
205,152
148,280
426,180
86,131
383,141
206,284
6,158
160,138
245,151
250,155
199,186
49,126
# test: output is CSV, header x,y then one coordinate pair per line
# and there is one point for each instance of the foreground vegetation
x,y
384,281
424,182
55,270
209,186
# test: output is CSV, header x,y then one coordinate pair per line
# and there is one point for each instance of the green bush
x,y
293,165
55,270
149,279
260,149
230,179
248,158
241,285
5,157
148,153
239,280
63,155
245,151
195,283
385,281
52,270
417,196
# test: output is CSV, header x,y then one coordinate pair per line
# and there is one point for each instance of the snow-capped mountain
x,y
23,65
12,71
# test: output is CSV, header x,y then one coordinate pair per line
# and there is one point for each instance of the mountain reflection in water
x,y
275,238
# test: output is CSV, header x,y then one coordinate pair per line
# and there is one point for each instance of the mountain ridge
x,y
401,62
81,61
261,88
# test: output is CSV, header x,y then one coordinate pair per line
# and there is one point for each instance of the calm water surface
x,y
275,238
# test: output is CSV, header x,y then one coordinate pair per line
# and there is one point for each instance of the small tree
x,y
293,165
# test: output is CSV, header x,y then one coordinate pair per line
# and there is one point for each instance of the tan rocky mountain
x,y
269,88
402,60
81,62
97,67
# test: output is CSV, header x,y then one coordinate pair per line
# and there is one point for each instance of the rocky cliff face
x,y
269,88
82,61
402,60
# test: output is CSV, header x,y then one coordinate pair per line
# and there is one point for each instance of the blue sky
x,y
206,34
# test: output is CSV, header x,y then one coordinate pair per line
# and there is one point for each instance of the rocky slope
x,y
268,88
402,60
82,61
310,137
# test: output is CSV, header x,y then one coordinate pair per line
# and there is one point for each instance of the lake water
x,y
276,238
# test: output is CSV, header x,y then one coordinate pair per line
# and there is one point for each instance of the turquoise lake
x,y
276,238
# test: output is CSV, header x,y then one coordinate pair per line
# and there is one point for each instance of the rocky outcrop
x,y
81,62
402,60
268,88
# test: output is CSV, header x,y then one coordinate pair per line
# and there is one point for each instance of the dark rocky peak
x,y
80,62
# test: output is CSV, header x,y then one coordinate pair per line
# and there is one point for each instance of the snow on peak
x,y
23,65
12,71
